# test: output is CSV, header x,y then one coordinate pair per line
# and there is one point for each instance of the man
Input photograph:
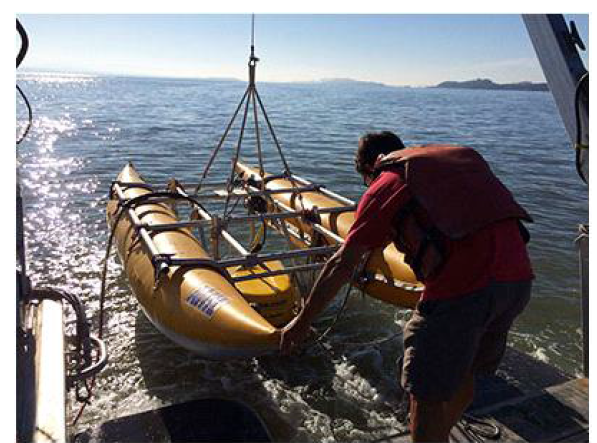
x,y
460,231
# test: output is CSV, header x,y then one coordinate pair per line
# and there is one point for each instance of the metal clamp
x,y
161,266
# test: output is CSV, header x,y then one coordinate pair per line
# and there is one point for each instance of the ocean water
x,y
87,127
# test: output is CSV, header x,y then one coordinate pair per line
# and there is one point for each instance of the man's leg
x,y
428,421
433,420
461,400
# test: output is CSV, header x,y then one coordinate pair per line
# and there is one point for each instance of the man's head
x,y
371,146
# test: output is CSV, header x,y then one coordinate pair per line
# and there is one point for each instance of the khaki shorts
x,y
446,339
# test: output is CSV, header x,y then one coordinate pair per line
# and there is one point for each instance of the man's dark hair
x,y
374,143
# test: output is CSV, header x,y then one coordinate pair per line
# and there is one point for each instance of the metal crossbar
x,y
222,193
326,191
285,271
248,218
251,260
294,190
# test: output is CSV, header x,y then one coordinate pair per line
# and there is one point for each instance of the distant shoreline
x,y
485,84
490,85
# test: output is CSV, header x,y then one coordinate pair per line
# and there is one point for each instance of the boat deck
x,y
555,414
558,413
529,400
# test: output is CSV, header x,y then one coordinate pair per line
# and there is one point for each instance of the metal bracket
x,y
161,266
575,38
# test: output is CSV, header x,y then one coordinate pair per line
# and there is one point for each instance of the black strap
x,y
408,208
524,232
431,236
130,185
418,260
207,265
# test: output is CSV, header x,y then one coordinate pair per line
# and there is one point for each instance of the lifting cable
x,y
250,98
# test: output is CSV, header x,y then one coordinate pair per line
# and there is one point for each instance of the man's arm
x,y
371,229
337,271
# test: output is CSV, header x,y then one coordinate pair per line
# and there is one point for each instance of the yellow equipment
x,y
198,307
233,307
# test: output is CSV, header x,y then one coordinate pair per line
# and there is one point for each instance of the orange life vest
x,y
454,193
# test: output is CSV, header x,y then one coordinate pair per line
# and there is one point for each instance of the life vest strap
x,y
431,236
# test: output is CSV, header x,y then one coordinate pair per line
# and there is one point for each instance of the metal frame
x,y
162,262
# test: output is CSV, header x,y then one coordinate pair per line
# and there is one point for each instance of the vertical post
x,y
583,249
215,237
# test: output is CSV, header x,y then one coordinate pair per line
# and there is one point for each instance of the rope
x,y
24,43
101,316
20,57
287,170
85,366
29,116
84,342
479,430
91,386
365,344
339,314
326,349
362,264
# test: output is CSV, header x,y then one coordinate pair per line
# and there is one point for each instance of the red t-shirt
x,y
496,252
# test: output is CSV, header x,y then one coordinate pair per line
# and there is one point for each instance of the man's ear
x,y
379,159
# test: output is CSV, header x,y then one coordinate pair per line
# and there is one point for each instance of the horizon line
x,y
41,71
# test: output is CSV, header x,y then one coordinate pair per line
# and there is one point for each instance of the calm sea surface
x,y
87,128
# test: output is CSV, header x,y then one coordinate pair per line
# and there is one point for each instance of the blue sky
x,y
393,49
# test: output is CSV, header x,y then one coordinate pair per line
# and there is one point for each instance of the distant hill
x,y
350,82
488,84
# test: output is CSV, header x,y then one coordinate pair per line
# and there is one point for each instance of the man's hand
x,y
293,334
336,272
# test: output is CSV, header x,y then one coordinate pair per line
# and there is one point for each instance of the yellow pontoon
x,y
196,306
